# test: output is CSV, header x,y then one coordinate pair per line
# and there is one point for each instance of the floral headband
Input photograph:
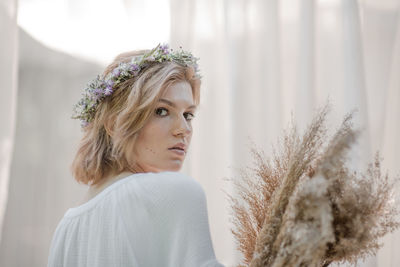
x,y
102,87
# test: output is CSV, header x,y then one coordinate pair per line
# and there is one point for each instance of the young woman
x,y
139,210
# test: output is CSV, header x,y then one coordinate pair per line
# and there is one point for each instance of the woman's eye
x,y
189,116
159,111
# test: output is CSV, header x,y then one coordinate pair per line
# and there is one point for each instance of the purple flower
x,y
110,83
108,90
84,123
97,91
165,49
116,72
134,67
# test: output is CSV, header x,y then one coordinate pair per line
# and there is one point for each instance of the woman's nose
x,y
182,127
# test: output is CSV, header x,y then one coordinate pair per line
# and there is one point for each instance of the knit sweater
x,y
146,219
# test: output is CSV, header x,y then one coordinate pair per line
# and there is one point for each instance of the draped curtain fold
x,y
8,92
261,61
265,60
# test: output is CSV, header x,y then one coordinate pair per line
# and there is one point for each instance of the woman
x,y
139,210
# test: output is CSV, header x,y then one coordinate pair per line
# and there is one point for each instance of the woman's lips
x,y
177,151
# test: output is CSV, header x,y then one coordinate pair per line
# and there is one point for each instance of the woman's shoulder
x,y
172,174
161,195
164,181
173,180
164,177
143,188
162,186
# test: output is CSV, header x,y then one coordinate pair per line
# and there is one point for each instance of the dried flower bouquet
x,y
305,207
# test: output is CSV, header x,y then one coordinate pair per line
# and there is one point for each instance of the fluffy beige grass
x,y
304,207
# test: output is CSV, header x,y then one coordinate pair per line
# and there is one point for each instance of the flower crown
x,y
102,87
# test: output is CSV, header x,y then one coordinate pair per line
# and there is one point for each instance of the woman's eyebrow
x,y
173,105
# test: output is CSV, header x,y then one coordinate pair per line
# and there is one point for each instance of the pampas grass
x,y
304,207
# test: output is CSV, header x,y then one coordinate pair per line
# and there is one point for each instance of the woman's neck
x,y
96,189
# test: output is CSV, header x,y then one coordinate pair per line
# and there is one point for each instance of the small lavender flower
x,y
165,49
84,123
134,67
98,91
116,72
109,83
108,90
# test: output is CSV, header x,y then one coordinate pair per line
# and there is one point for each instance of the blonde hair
x,y
106,146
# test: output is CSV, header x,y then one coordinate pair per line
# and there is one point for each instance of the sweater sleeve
x,y
166,221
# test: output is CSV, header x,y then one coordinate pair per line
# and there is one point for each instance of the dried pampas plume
x,y
304,207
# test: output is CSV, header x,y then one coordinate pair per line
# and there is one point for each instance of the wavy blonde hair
x,y
106,146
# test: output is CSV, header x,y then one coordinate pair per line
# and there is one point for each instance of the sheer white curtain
x,y
262,60
8,92
40,187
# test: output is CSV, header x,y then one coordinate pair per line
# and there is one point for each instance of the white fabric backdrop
x,y
41,187
262,60
8,92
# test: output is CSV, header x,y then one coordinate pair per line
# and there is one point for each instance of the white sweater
x,y
145,219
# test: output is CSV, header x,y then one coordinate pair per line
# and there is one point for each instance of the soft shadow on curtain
x,y
8,92
50,81
263,60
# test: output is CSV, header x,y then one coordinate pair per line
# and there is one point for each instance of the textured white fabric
x,y
8,92
146,219
266,64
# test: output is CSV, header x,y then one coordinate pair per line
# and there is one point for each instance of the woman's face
x,y
169,126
